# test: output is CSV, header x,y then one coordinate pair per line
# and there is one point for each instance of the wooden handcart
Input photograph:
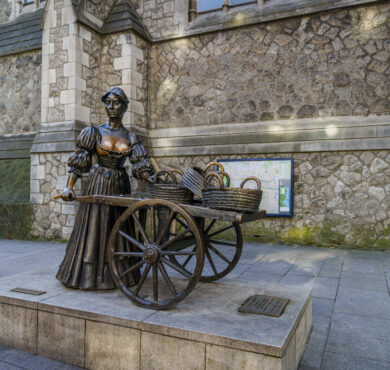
x,y
174,246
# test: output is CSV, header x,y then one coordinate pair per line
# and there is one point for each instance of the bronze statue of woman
x,y
85,265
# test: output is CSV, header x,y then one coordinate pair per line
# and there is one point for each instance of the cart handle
x,y
169,174
253,178
219,176
214,164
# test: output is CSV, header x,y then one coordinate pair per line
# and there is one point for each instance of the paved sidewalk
x,y
351,301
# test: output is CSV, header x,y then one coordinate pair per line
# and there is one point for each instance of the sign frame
x,y
291,160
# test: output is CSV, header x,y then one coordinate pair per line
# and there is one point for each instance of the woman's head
x,y
115,102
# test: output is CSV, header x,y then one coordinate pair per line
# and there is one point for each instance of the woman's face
x,y
114,107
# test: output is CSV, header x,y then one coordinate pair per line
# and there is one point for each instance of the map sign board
x,y
276,176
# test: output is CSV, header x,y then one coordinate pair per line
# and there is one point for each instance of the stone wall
x,y
5,10
163,18
20,105
124,63
334,63
340,198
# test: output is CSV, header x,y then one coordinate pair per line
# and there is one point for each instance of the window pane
x,y
235,2
204,5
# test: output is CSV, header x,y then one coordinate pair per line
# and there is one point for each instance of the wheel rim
x,y
162,284
223,248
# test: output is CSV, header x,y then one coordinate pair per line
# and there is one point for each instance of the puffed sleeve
x,y
81,160
139,158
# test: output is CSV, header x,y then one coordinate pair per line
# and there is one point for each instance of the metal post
x,y
192,10
225,6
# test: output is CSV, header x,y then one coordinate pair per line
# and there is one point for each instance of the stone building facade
x,y
306,80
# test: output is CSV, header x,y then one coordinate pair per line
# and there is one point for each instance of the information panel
x,y
276,176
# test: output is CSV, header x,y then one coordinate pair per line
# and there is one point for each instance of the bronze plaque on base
x,y
28,291
264,305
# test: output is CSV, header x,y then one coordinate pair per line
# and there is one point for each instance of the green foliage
x,y
15,180
15,221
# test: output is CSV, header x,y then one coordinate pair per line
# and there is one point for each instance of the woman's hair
x,y
117,91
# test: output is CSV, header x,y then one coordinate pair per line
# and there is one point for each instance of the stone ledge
x,y
206,322
57,137
16,146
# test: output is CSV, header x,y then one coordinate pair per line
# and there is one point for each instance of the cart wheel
x,y
223,247
162,284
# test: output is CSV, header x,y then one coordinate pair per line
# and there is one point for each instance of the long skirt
x,y
85,265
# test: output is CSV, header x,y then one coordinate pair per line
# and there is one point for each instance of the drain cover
x,y
264,305
28,291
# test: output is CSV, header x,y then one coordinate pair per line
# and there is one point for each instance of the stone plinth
x,y
205,331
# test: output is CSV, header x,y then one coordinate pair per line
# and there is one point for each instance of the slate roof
x,y
124,17
22,34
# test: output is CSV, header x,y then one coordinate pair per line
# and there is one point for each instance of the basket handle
x,y
168,173
214,164
177,171
210,175
223,174
251,178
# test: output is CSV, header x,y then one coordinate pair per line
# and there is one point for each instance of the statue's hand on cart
x,y
67,195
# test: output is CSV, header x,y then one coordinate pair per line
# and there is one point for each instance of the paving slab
x,y
26,360
322,315
359,336
371,303
363,266
332,267
312,357
363,281
335,361
325,287
307,266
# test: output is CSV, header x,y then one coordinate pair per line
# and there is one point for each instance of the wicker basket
x,y
232,199
193,178
171,191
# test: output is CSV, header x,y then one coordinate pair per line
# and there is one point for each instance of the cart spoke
x,y
181,222
142,280
129,254
211,224
177,268
132,240
178,253
155,283
141,229
220,242
174,239
153,225
166,278
188,258
165,228
211,261
218,253
132,268
221,230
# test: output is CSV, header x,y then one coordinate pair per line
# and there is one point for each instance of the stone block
x,y
70,220
37,172
137,107
137,53
82,113
126,50
52,76
76,82
126,76
163,352
300,338
123,39
19,327
34,159
122,63
68,16
34,186
220,358
61,182
289,358
136,78
111,347
72,69
85,59
61,338
68,97
68,209
85,34
66,232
